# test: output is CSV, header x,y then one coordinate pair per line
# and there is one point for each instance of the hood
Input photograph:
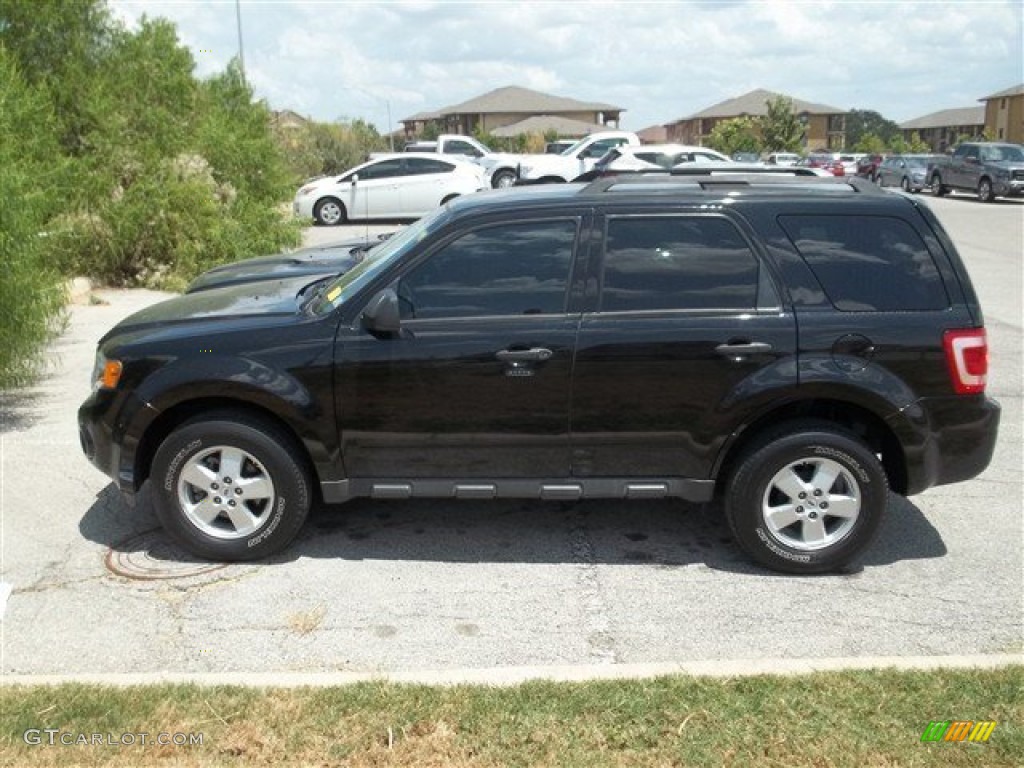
x,y
333,259
1007,165
268,298
500,158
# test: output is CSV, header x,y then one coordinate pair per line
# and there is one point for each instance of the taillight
x,y
967,357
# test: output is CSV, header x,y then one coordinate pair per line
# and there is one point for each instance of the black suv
x,y
793,347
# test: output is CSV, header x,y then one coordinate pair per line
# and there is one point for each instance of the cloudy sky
x,y
658,60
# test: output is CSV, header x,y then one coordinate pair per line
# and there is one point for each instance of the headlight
x,y
105,373
917,175
1001,173
305,191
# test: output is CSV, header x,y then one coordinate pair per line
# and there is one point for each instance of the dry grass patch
x,y
853,719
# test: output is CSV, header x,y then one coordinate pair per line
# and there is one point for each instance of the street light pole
x,y
241,53
387,105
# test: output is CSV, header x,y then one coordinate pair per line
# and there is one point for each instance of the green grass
x,y
854,719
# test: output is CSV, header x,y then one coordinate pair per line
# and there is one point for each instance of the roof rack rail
x,y
717,179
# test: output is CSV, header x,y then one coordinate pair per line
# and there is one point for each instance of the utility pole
x,y
241,53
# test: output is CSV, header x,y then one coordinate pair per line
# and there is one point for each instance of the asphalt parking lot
x,y
390,586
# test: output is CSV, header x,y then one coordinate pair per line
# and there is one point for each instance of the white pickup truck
x,y
499,167
573,162
505,169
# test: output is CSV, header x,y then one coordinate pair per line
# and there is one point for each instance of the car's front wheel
x,y
807,498
330,212
985,192
503,178
227,487
937,189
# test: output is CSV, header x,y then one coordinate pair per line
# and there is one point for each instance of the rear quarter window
x,y
868,263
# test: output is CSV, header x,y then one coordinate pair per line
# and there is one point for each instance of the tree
x,y
60,46
871,144
914,146
30,290
863,122
780,128
741,134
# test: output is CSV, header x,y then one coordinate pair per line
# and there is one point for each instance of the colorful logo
x,y
958,730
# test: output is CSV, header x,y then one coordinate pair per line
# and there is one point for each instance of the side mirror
x,y
355,179
381,314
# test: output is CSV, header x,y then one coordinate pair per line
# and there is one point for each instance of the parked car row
x,y
985,169
408,185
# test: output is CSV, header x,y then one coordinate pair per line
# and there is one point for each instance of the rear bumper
x,y
947,439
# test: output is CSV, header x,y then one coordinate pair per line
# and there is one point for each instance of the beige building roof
x,y
653,134
946,117
563,126
512,98
753,103
1015,90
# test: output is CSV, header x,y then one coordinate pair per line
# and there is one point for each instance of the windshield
x,y
1002,152
918,162
579,144
377,260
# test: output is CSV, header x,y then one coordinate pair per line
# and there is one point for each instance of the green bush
x,y
181,174
325,149
31,293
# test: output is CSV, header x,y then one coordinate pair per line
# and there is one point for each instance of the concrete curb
x,y
505,676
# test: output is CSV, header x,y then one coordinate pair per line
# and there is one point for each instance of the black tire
x,y
272,487
506,177
878,180
937,189
448,199
330,212
985,192
905,185
793,455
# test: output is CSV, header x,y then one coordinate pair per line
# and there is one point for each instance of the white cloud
x,y
658,60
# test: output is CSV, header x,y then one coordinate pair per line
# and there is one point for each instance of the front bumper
x,y
1008,188
110,426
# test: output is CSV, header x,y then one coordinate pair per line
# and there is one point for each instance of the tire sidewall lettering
x,y
176,462
845,459
766,539
270,527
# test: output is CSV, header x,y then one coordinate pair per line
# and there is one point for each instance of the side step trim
x,y
561,489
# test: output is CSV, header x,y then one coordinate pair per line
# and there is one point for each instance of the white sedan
x,y
393,186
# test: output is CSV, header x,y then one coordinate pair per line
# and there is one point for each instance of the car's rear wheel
x,y
330,212
905,184
503,178
937,189
227,487
985,192
806,498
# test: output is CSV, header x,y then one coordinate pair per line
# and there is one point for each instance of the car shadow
x,y
19,410
664,533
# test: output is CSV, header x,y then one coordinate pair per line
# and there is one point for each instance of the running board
x,y
338,491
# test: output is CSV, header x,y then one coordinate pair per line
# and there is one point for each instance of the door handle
x,y
535,355
743,348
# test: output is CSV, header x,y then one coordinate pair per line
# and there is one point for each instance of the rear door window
x,y
868,263
677,262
